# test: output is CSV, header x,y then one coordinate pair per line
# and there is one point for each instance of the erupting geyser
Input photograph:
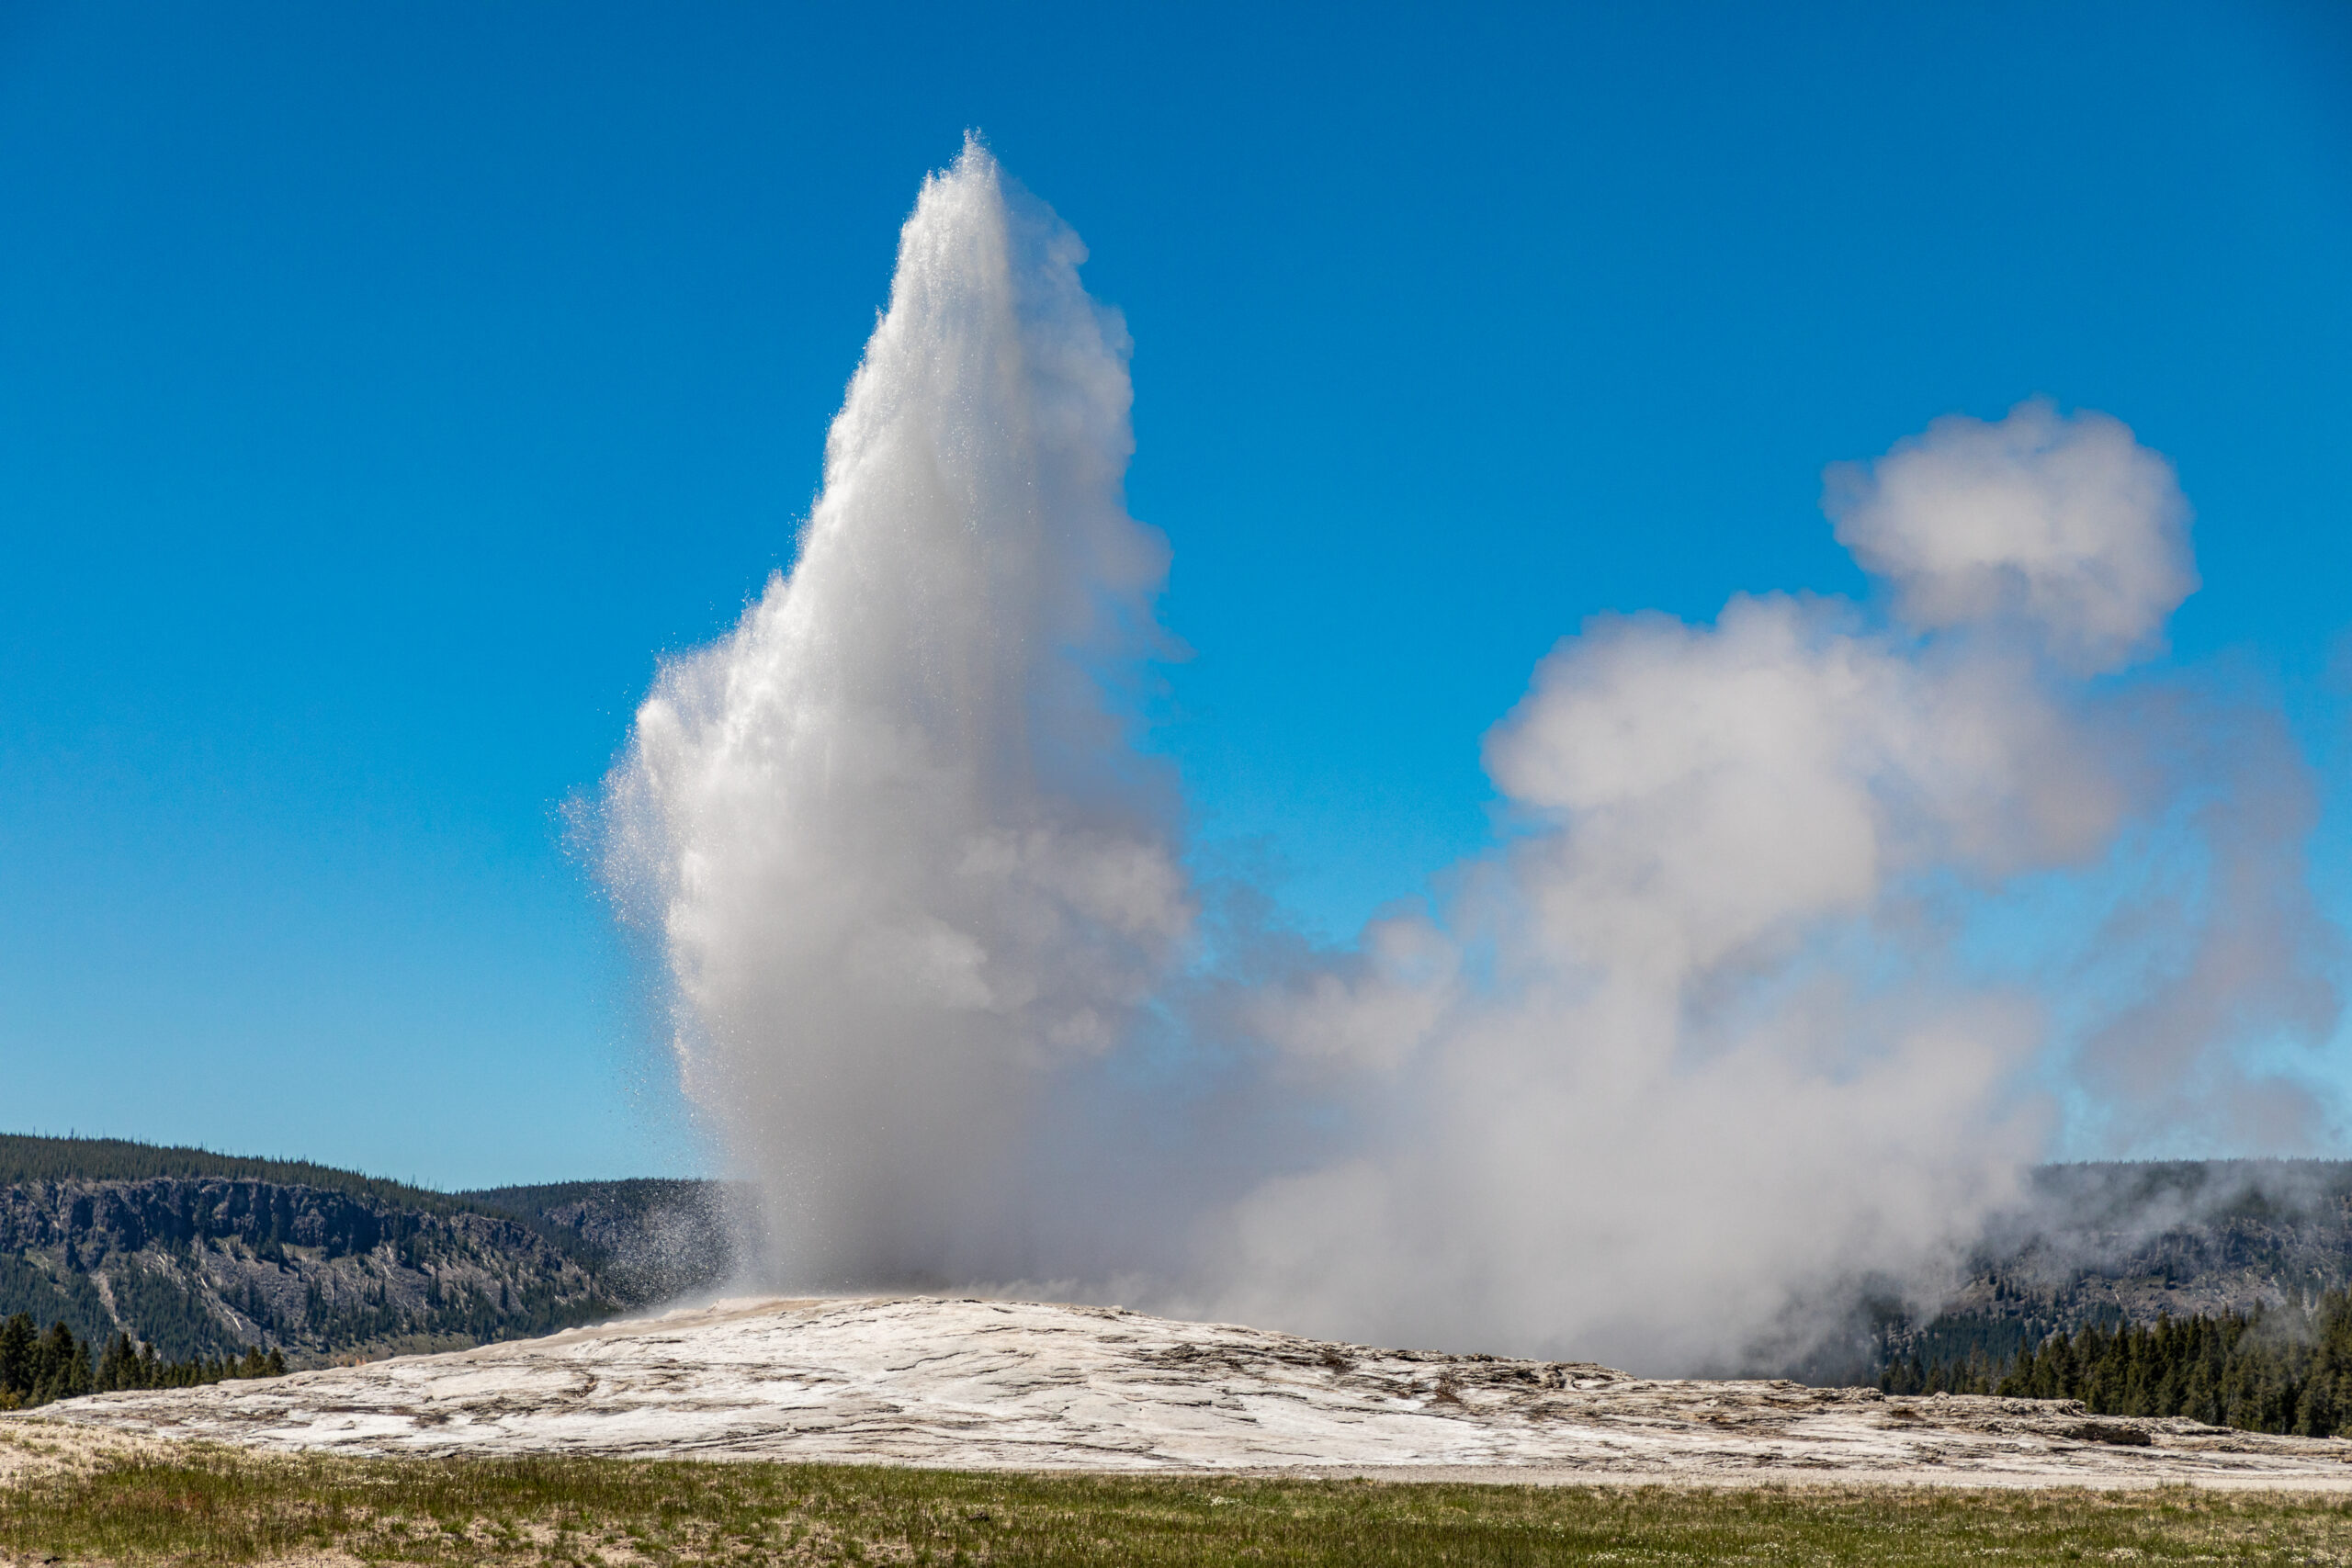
x,y
1706,1041
902,859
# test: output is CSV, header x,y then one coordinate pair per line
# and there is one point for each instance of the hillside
x,y
2116,1243
652,1238
26,1157
202,1253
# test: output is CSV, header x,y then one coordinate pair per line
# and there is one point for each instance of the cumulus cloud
x,y
1703,1045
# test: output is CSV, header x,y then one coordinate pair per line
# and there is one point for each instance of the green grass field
x,y
210,1506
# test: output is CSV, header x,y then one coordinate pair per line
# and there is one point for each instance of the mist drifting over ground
x,y
1712,1036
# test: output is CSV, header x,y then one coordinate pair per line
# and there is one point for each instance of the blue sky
x,y
383,389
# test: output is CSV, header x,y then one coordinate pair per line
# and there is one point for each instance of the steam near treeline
x,y
1737,1014
2261,1371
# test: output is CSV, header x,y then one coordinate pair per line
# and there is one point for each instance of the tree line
x,y
2268,1370
37,1368
26,1156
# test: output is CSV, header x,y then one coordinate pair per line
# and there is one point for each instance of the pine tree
x,y
16,1358
118,1366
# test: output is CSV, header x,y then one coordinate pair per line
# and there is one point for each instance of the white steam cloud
x,y
2066,528
900,855
1700,1048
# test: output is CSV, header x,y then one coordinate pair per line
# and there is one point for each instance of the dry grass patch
x,y
149,1503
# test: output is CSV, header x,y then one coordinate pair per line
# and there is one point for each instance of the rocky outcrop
x,y
198,1266
104,1217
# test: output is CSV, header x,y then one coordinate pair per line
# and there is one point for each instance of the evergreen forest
x,y
37,1368
2265,1370
26,1156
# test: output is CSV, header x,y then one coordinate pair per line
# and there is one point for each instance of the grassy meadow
x,y
218,1506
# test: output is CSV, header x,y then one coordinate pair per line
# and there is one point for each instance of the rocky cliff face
x,y
198,1266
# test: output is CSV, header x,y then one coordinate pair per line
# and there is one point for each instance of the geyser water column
x,y
902,858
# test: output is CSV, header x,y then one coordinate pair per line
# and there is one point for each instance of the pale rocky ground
x,y
982,1385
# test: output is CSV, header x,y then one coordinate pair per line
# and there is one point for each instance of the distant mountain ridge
x,y
200,1254
2118,1242
203,1253
26,1156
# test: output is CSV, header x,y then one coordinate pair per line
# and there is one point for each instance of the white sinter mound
x,y
1016,1384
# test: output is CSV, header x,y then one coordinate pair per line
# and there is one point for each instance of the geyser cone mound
x,y
1014,1384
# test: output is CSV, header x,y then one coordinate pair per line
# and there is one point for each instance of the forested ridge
x,y
2280,1370
2109,1250
200,1257
30,1157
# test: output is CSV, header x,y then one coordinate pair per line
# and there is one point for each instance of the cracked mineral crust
x,y
988,1384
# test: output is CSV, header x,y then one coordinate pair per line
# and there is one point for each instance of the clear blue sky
x,y
382,387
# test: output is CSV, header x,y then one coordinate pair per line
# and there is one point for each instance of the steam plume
x,y
1699,1047
900,856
